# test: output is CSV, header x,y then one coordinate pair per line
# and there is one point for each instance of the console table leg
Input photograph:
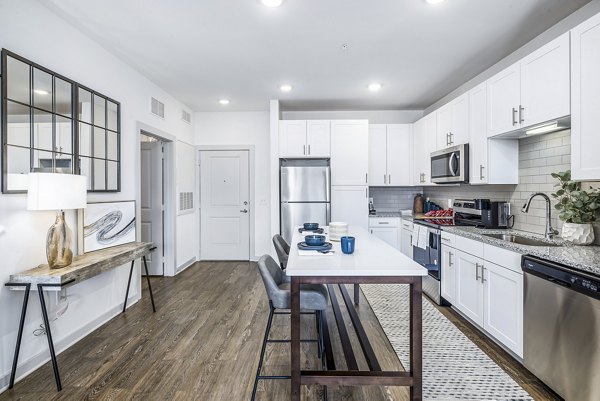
x,y
128,284
13,372
149,286
49,336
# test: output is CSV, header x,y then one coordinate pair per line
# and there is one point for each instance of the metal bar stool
x,y
313,297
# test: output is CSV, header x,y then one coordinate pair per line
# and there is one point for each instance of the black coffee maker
x,y
496,215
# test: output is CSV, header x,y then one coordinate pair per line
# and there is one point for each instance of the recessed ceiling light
x,y
434,1
285,88
375,87
224,102
271,3
41,92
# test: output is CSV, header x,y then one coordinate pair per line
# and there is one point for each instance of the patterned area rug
x,y
454,368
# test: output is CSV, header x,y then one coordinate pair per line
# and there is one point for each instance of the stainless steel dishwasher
x,y
562,328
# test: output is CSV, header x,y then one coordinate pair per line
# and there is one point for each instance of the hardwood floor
x,y
204,342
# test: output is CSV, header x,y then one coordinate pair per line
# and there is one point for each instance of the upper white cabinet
x,y
531,91
350,204
349,152
390,159
492,161
299,138
453,123
424,142
585,107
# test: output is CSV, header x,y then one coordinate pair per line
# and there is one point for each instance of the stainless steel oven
x,y
450,165
431,259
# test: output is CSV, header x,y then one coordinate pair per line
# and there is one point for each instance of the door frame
x,y
251,189
170,212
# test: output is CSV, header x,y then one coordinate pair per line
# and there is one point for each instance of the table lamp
x,y
60,192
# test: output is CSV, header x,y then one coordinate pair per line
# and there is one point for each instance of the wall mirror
x,y
53,124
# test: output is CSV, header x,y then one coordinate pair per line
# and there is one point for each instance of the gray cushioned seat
x,y
277,285
282,248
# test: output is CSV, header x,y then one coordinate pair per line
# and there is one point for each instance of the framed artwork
x,y
107,224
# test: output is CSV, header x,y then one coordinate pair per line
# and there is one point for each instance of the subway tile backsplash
x,y
393,199
539,156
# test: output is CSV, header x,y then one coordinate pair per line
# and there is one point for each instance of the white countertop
x,y
372,257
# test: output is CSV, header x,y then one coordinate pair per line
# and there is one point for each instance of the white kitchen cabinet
x,y
469,291
299,138
350,204
503,100
585,106
349,152
492,161
390,156
545,83
503,306
389,235
406,231
448,279
424,143
318,138
292,138
532,91
453,123
378,155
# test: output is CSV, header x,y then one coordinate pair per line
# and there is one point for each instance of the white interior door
x,y
152,202
224,205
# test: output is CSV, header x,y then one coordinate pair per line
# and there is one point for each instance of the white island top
x,y
372,257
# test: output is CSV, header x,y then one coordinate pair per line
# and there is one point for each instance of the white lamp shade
x,y
51,191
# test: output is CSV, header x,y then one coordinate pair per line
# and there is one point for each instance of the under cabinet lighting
x,y
544,129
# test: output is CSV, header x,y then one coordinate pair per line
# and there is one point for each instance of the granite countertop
x,y
584,258
385,214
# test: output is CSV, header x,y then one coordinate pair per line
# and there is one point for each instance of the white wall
x,y
51,42
374,116
244,128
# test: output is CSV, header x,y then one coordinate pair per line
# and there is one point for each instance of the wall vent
x,y
157,107
186,201
185,116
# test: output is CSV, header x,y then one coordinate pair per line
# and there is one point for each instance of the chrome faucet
x,y
550,231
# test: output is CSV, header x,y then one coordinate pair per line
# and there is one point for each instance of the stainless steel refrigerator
x,y
305,193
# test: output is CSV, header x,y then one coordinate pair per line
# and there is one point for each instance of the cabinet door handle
x,y
476,271
481,177
304,150
451,138
371,231
309,150
366,178
450,263
367,193
384,179
521,118
514,116
389,178
383,222
483,280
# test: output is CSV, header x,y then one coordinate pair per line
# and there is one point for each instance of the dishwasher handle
x,y
558,282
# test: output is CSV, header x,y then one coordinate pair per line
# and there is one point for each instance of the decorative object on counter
x,y
372,210
348,244
108,224
337,230
418,204
60,192
577,208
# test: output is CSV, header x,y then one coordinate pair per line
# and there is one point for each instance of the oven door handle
x,y
453,157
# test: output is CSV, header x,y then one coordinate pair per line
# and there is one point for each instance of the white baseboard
x,y
33,363
185,265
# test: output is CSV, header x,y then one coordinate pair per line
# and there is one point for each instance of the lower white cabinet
x,y
389,235
350,204
469,288
503,306
448,280
406,242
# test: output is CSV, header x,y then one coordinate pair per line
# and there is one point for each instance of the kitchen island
x,y
373,262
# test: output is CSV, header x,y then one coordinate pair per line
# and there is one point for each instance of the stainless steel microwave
x,y
450,165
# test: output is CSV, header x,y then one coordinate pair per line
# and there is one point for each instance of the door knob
x,y
244,210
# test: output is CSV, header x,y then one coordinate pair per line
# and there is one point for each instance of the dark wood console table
x,y
83,267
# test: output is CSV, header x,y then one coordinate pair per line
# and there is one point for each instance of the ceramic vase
x,y
578,234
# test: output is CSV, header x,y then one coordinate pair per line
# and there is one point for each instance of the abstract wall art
x,y
107,224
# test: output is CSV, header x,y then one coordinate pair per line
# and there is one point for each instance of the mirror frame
x,y
75,139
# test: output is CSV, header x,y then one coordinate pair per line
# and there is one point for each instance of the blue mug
x,y
348,245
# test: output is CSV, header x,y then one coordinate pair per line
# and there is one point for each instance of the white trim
x,y
170,222
251,187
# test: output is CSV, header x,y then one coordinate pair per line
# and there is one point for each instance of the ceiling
x,y
203,50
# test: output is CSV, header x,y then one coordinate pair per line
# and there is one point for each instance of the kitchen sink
x,y
516,239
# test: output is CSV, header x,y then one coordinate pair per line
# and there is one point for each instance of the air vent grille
x,y
185,116
157,107
186,201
